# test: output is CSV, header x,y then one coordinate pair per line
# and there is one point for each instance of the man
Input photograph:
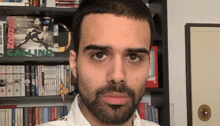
x,y
112,40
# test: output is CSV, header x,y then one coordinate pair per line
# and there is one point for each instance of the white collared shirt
x,y
76,118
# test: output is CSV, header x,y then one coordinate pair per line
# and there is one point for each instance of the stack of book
x,y
33,80
12,116
67,3
148,112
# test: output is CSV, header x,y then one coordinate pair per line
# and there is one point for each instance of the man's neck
x,y
95,122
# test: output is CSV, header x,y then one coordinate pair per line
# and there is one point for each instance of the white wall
x,y
181,12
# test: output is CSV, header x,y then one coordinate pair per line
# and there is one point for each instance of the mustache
x,y
118,88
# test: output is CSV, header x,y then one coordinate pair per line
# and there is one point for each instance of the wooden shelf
x,y
38,60
155,90
33,101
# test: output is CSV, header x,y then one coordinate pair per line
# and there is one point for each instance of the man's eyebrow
x,y
96,47
138,50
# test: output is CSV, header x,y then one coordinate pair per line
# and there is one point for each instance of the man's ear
x,y
72,62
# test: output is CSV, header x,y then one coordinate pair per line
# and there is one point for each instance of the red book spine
x,y
141,110
30,117
52,114
37,115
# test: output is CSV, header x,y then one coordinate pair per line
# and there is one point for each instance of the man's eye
x,y
133,57
99,56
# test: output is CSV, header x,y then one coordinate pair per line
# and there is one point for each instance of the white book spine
x,y
2,81
2,38
2,117
22,80
9,80
21,122
18,117
17,80
8,117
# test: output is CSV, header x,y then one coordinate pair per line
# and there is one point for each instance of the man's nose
x,y
117,71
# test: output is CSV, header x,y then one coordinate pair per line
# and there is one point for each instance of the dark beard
x,y
118,114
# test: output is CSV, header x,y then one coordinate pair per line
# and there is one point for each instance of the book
x,y
26,117
2,81
8,116
152,81
22,80
2,117
17,80
45,109
37,115
33,80
30,116
2,38
9,81
141,110
13,117
11,4
27,80
29,36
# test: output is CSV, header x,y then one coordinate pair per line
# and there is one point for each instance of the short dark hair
x,y
135,9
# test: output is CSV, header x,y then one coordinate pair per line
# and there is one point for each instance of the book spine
x,y
36,80
17,80
61,111
27,80
153,114
22,117
13,117
65,111
146,111
37,115
156,115
30,3
55,113
58,112
49,113
45,109
34,117
52,114
152,81
149,113
26,117
41,115
2,81
9,80
18,117
22,80
2,38
30,117
33,83
2,117
39,81
140,110
34,3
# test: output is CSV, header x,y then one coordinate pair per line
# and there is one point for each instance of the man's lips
x,y
116,98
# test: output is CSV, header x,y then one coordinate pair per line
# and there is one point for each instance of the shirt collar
x,y
76,118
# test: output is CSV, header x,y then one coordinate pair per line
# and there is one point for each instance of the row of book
x,y
30,116
33,80
37,3
148,112
14,3
67,3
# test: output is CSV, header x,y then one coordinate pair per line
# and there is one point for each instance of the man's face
x,y
112,65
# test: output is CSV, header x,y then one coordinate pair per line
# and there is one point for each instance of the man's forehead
x,y
110,30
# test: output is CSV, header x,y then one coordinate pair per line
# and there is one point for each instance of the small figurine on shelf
x,y
63,91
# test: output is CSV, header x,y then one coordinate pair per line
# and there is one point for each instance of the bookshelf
x,y
159,96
